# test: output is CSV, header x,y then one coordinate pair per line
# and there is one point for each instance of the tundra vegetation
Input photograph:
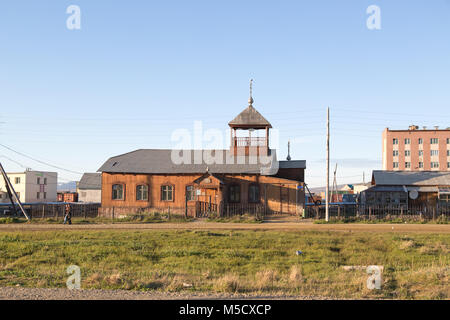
x,y
416,265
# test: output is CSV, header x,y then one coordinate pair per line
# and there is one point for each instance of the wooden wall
x,y
278,193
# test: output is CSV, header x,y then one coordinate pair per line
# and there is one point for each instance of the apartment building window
x,y
395,141
395,152
407,153
190,194
45,195
420,165
407,141
448,153
448,140
420,141
407,165
448,165
395,165
17,180
420,153
167,193
45,180
435,165
142,192
38,180
117,192
434,152
38,195
434,141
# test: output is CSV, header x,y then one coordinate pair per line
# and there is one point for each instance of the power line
x,y
42,162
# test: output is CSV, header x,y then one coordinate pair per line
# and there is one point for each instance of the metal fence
x,y
389,212
52,210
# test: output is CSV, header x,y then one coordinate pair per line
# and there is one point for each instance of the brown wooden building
x,y
246,178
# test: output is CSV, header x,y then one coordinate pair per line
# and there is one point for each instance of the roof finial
x,y
288,158
250,100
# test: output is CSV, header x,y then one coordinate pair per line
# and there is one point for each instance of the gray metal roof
x,y
412,178
292,164
90,181
165,161
250,117
385,189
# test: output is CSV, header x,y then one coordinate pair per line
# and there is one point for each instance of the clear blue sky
x,y
138,70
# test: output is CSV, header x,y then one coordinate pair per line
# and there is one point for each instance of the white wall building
x,y
89,188
31,186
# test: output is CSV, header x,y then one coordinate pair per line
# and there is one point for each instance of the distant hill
x,y
322,189
68,186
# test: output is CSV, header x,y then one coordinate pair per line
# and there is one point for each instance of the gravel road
x,y
271,225
19,293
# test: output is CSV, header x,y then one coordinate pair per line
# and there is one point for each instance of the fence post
x,y
370,213
43,211
185,207
168,213
112,215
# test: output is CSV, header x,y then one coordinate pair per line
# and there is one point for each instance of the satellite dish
x,y
413,194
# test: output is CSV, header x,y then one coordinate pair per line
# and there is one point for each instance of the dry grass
x,y
407,245
229,283
415,265
265,280
295,275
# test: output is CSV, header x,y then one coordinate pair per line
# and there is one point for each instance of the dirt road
x,y
19,293
200,225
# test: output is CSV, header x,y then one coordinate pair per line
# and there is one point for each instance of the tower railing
x,y
250,141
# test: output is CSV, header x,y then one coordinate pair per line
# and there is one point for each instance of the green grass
x,y
245,218
439,220
136,218
416,266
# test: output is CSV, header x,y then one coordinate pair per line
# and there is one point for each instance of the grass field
x,y
416,266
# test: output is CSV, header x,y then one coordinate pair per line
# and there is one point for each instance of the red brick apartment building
x,y
416,149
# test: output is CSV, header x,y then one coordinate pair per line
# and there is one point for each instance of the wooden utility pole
x,y
335,190
327,192
12,193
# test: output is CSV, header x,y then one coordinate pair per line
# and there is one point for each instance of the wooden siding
x,y
279,194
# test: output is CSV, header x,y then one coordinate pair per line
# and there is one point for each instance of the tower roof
x,y
250,118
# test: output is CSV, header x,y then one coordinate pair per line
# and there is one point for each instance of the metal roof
x,y
166,161
412,178
386,189
90,181
248,118
292,164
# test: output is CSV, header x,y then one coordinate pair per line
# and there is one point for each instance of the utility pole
x,y
327,192
12,193
334,191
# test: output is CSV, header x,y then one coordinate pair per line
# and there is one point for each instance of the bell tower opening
x,y
249,122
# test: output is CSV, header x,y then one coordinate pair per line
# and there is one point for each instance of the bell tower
x,y
249,121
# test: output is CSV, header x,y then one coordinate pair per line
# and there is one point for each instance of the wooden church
x,y
246,178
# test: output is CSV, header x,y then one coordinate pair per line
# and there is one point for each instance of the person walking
x,y
67,215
